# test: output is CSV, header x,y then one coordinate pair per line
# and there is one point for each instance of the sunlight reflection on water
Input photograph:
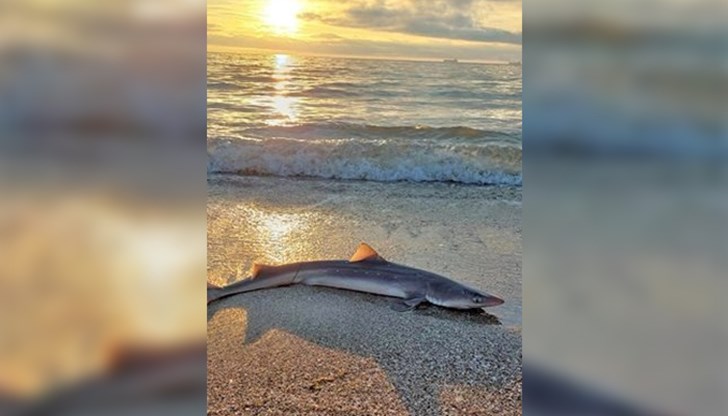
x,y
277,236
284,106
263,234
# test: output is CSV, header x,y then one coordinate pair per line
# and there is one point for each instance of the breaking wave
x,y
494,162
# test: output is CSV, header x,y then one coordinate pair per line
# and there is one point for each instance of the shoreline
x,y
317,351
219,176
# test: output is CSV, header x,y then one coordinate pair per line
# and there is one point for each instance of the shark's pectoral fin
x,y
408,304
366,253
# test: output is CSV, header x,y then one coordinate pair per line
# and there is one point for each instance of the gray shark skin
x,y
365,272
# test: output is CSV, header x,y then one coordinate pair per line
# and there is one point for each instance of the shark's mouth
x,y
486,303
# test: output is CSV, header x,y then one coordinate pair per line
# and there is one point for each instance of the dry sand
x,y
319,351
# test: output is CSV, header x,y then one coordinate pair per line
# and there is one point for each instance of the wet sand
x,y
319,351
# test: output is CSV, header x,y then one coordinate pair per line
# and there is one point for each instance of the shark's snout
x,y
491,300
484,301
465,298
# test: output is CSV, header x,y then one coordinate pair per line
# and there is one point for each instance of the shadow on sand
x,y
421,351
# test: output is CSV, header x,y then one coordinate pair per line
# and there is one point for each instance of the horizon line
x,y
243,49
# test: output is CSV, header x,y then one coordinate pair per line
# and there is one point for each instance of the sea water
x,y
364,119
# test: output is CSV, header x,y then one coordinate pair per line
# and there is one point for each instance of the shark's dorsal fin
x,y
257,269
365,253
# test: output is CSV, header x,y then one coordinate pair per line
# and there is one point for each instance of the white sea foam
x,y
371,159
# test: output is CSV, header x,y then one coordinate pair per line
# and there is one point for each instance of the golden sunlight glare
x,y
282,15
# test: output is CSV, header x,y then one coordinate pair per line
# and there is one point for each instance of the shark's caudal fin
x,y
261,277
213,292
365,253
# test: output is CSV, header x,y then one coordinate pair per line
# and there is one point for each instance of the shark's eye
x,y
477,299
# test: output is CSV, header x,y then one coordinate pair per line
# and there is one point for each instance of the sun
x,y
282,15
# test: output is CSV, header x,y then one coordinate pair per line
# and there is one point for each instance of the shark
x,y
366,271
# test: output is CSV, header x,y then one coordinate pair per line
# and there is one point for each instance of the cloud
x,y
438,30
328,36
447,19
324,43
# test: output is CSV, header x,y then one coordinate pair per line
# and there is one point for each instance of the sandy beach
x,y
319,351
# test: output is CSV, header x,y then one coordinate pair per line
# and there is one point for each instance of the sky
x,y
478,30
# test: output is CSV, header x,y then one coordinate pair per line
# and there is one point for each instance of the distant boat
x,y
454,61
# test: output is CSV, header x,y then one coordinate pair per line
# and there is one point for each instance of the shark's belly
x,y
376,284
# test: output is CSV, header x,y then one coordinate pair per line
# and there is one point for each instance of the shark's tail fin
x,y
214,292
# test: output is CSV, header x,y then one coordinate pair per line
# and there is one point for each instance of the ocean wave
x,y
222,85
368,131
492,163
322,92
